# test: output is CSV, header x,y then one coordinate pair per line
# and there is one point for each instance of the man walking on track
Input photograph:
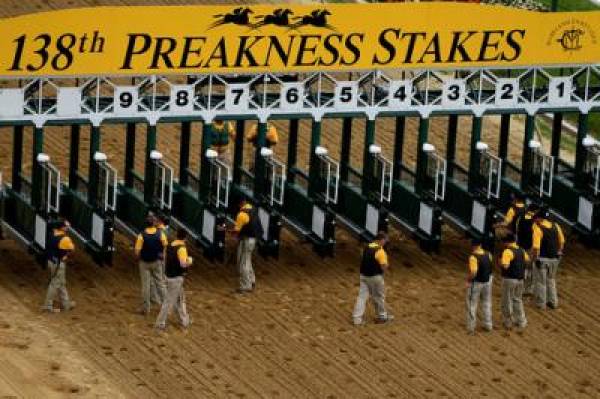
x,y
149,248
248,228
512,263
479,287
154,295
58,248
524,231
548,245
373,265
177,263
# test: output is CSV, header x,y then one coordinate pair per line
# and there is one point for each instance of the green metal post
x,y
504,137
526,159
17,164
204,162
129,154
580,152
238,151
292,150
74,157
556,136
451,144
93,166
346,146
36,173
399,146
368,164
475,154
421,156
259,161
313,171
150,169
184,152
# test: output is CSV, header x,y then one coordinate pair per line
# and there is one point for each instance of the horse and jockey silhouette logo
x,y
280,17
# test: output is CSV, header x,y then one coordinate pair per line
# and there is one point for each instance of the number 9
x,y
126,99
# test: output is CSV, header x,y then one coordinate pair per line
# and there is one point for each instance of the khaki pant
x,y
475,293
154,295
175,299
545,271
528,281
374,287
152,271
57,284
513,311
244,257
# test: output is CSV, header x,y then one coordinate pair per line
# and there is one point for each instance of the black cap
x,y
476,242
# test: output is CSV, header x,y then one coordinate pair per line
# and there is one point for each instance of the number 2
x,y
507,91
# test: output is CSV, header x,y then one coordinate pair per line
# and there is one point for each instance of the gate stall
x,y
31,207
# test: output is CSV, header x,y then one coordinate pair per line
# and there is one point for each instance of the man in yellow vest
x,y
524,234
548,246
515,211
160,223
177,263
248,229
222,133
479,287
149,249
58,249
512,264
373,265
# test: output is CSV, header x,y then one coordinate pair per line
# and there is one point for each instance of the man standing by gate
x,y
515,211
149,248
548,245
177,263
524,231
58,249
374,264
513,262
248,229
479,286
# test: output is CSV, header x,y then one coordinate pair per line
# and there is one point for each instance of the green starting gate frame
x,y
371,94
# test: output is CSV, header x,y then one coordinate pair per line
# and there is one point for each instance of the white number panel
x,y
454,92
182,98
125,100
292,96
68,101
11,102
237,97
400,94
507,92
559,90
345,95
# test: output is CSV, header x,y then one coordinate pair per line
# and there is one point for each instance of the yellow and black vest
x,y
516,269
172,265
484,267
369,266
53,252
152,246
549,246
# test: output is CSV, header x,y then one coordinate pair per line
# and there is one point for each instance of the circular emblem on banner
x,y
572,35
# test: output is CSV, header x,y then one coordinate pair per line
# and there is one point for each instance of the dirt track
x,y
293,338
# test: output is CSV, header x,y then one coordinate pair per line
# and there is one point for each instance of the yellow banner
x,y
286,38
